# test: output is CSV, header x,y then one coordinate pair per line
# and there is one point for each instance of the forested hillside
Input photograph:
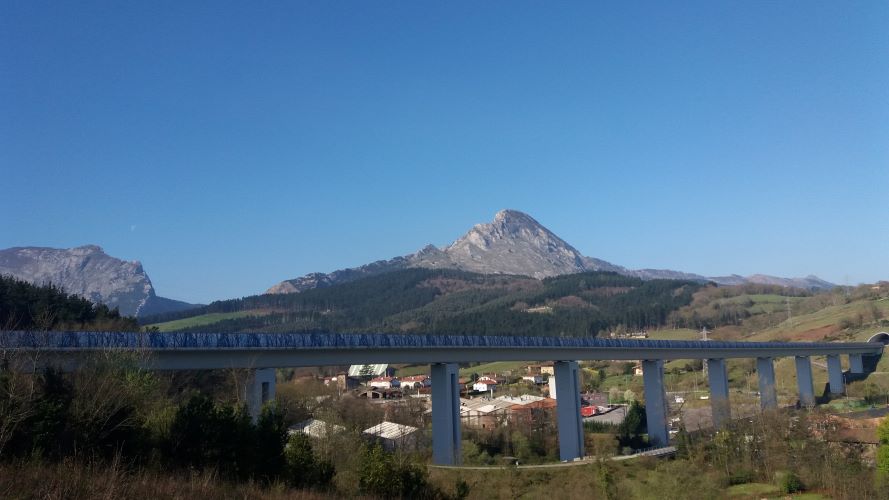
x,y
24,306
448,301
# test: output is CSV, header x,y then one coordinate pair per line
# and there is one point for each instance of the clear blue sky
x,y
229,146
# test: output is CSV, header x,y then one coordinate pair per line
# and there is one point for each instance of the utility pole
x,y
789,313
705,339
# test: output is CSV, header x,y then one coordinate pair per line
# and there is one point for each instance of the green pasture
x,y
202,320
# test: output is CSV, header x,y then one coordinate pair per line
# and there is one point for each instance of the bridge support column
x,y
765,370
719,402
655,402
446,435
259,389
856,363
568,410
804,382
835,374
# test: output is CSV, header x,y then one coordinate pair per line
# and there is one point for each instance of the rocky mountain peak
x,y
87,249
91,273
514,243
510,216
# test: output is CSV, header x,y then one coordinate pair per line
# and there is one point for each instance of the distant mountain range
x,y
91,273
515,243
512,244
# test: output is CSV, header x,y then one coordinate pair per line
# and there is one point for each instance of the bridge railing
x,y
173,341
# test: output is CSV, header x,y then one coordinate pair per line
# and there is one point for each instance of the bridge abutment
x,y
804,381
765,371
259,389
446,436
719,401
835,374
655,402
568,410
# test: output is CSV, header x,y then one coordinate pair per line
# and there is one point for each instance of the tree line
x,y
24,306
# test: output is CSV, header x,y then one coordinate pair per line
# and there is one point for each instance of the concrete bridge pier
x,y
835,374
856,363
719,401
804,381
568,410
765,370
446,436
259,389
655,402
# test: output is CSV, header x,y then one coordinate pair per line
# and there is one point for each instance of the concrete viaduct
x,y
263,352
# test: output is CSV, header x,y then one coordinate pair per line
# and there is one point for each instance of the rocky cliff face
x,y
515,243
91,273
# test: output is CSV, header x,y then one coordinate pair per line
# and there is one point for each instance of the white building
x,y
524,399
484,413
384,382
484,384
394,436
315,428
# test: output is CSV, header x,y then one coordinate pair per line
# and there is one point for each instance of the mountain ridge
x,y
515,243
89,272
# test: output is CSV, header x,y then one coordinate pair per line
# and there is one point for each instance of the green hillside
x,y
454,302
202,320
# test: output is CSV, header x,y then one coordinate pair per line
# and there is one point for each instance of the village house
x,y
415,382
484,413
342,382
533,379
541,369
856,430
394,436
484,384
532,411
384,382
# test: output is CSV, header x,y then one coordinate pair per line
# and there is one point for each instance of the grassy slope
x,y
825,322
202,320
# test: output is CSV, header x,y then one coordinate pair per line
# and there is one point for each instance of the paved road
x,y
614,417
657,453
702,418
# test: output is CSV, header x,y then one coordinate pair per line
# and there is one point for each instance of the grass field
x,y
202,320
752,490
496,367
677,334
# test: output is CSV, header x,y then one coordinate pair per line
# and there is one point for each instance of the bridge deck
x,y
269,350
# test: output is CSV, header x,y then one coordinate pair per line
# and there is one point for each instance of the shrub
x,y
741,476
206,436
789,482
385,475
303,468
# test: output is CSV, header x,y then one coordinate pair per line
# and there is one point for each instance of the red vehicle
x,y
588,411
